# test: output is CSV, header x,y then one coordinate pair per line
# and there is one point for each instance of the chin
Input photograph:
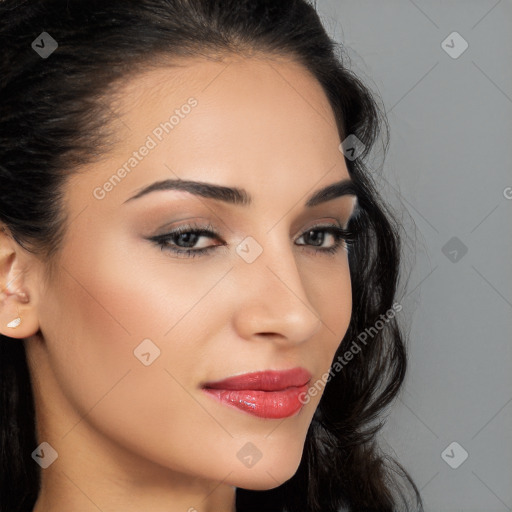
x,y
265,477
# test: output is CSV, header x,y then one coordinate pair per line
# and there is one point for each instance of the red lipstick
x,y
267,394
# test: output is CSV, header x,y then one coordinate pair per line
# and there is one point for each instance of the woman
x,y
197,273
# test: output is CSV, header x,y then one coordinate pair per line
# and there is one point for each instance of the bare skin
x,y
133,437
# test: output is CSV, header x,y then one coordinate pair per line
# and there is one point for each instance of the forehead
x,y
267,90
255,123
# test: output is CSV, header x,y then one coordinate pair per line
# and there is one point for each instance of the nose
x,y
272,302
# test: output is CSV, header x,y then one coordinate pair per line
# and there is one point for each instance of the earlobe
x,y
12,319
16,310
22,297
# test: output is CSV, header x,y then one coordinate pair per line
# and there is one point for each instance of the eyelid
x,y
208,226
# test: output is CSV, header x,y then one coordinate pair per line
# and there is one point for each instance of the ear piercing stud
x,y
14,323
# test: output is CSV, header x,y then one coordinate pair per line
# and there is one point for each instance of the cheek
x,y
330,293
114,302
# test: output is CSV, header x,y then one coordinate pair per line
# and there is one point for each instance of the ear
x,y
18,316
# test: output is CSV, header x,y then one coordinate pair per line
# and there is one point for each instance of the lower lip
x,y
264,404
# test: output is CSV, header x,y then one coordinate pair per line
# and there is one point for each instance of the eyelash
x,y
340,234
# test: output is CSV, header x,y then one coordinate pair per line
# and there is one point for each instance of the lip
x,y
269,394
268,380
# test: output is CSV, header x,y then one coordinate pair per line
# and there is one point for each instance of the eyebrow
x,y
238,196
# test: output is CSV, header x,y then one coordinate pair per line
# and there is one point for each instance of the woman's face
x,y
131,330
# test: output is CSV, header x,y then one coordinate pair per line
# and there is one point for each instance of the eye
x,y
182,240
342,238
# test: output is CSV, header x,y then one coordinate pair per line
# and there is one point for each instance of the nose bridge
x,y
274,296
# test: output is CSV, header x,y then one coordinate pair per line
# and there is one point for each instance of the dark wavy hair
x,y
55,116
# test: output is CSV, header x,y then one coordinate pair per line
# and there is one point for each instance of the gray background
x,y
446,174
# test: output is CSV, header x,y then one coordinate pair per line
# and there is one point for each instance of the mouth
x,y
268,394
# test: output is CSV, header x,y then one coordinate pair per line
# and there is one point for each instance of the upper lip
x,y
267,380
